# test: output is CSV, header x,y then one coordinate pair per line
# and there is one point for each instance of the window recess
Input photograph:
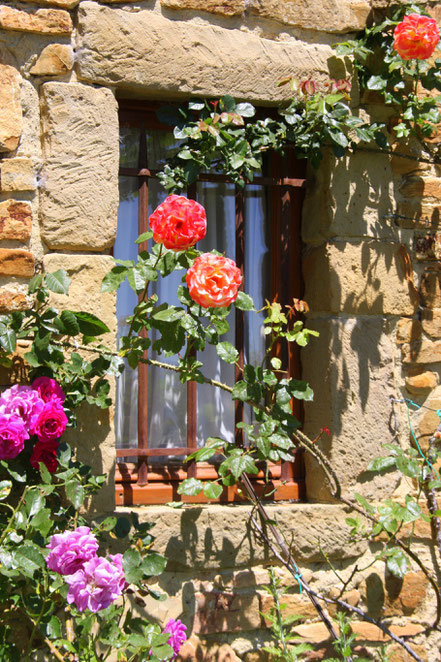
x,y
159,420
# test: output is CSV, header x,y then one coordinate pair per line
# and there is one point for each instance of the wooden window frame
x,y
139,484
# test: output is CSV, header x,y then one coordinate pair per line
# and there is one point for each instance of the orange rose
x,y
178,223
213,281
416,37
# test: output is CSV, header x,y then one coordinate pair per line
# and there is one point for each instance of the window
x,y
158,420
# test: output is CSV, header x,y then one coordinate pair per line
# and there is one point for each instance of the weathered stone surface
x,y
408,329
226,612
296,605
10,300
422,383
427,245
16,262
405,596
431,322
94,438
224,7
429,187
65,4
42,21
326,15
17,175
30,141
15,220
169,58
358,278
350,369
421,351
54,60
79,197
221,540
11,114
338,205
418,214
430,289
217,653
256,656
399,654
317,632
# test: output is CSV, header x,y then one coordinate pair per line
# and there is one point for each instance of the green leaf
x,y
42,521
75,493
58,282
108,524
397,562
276,363
239,463
213,490
8,339
190,487
364,503
5,488
166,313
29,559
145,236
53,628
122,527
376,83
131,562
70,323
35,283
381,463
244,301
113,279
90,325
153,565
227,352
34,502
245,109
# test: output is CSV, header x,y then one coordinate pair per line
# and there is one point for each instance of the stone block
x,y
418,214
216,653
226,612
10,300
157,56
430,288
350,368
427,245
41,21
431,322
296,605
398,654
17,175
64,4
359,278
423,383
427,187
223,7
15,220
408,329
256,656
325,15
11,120
421,351
54,60
16,262
407,595
79,196
342,199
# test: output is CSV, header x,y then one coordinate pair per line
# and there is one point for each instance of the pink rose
x,y
178,223
48,389
416,37
45,452
213,281
13,434
51,422
70,550
23,401
177,635
96,585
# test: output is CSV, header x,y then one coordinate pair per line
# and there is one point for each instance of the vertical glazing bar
x,y
143,204
239,333
192,394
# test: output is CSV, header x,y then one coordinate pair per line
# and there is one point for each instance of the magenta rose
x,y
24,402
13,434
45,452
96,585
178,635
48,389
51,422
116,559
71,550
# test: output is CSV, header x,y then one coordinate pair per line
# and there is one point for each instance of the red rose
x,y
178,223
416,37
213,281
51,422
45,452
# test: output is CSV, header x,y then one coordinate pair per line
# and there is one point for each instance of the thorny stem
x,y
278,610
146,288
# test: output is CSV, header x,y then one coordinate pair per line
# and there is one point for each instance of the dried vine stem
x,y
313,596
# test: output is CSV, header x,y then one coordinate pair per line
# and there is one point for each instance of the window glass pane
x,y
128,147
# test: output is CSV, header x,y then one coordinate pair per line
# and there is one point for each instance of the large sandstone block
x,y
42,21
350,368
224,7
162,57
358,278
427,187
11,113
324,15
15,220
79,196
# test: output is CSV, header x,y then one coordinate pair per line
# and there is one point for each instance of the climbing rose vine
x,y
416,37
213,281
178,223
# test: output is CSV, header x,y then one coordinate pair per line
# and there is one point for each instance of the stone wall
x,y
371,231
